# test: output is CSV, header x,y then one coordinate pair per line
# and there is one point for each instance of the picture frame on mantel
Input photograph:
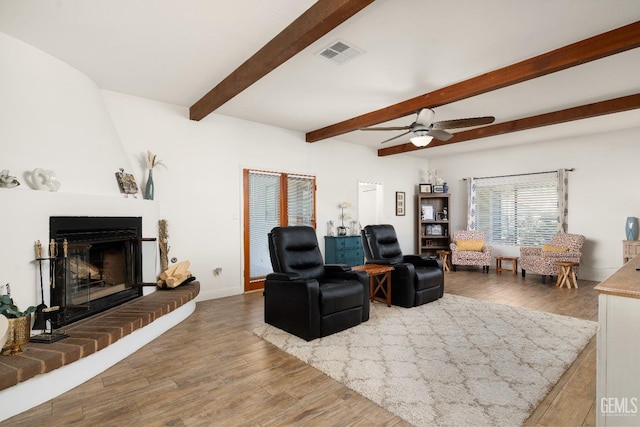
x,y
425,188
126,182
400,203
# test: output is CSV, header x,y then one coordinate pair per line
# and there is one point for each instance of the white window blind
x,y
300,203
518,210
264,214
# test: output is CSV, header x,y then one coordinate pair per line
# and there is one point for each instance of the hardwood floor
x,y
212,370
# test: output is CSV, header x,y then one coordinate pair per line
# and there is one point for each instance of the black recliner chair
x,y
415,280
304,296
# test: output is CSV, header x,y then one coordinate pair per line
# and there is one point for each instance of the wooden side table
x,y
567,274
379,280
445,257
514,264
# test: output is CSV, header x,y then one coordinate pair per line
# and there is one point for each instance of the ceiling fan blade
x,y
388,128
440,134
425,116
463,123
398,136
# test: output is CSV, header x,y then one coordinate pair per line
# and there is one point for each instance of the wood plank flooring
x,y
211,370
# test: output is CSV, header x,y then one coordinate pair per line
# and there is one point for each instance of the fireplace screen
x,y
97,265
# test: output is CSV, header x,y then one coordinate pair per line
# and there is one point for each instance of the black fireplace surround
x,y
96,265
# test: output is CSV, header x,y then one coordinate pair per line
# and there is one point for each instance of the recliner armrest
x,y
414,258
284,277
420,261
331,268
380,261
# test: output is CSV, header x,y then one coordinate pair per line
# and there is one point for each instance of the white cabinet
x,y
618,348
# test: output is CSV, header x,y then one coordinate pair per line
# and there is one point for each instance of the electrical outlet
x,y
217,271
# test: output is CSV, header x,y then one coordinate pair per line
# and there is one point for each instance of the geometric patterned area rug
x,y
453,362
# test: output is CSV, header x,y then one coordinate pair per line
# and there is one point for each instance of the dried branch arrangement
x,y
163,237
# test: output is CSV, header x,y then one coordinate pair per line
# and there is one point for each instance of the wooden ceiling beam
x,y
317,21
593,48
616,105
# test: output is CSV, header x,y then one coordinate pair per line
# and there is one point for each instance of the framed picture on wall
x,y
425,188
400,203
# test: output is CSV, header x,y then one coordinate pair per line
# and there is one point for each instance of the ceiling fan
x,y
424,129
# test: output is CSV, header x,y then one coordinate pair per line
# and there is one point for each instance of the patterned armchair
x,y
542,260
468,248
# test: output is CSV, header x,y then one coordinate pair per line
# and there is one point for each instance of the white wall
x,y
602,189
200,190
53,117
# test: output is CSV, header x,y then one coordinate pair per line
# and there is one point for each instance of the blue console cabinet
x,y
343,250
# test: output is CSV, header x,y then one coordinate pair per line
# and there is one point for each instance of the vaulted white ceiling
x,y
177,50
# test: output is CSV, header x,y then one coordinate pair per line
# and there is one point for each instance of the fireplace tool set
x,y
43,313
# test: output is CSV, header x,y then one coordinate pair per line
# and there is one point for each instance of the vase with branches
x,y
152,162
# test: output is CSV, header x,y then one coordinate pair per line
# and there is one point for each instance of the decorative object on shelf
x,y
445,187
432,176
425,188
330,228
400,203
428,213
19,330
126,182
8,181
355,228
438,188
434,230
152,162
44,180
442,216
344,216
632,228
149,188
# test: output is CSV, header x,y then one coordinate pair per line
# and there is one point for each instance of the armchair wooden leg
x,y
523,273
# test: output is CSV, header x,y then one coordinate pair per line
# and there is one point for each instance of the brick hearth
x,y
93,334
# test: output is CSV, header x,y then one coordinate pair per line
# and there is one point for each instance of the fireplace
x,y
97,265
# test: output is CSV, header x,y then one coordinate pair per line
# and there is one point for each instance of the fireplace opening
x,y
97,264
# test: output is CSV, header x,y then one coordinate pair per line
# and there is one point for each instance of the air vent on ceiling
x,y
340,52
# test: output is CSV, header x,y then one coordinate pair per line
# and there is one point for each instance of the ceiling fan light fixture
x,y
421,140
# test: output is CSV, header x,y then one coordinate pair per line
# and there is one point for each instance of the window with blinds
x,y
518,210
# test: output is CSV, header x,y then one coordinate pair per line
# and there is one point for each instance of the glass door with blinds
x,y
272,199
